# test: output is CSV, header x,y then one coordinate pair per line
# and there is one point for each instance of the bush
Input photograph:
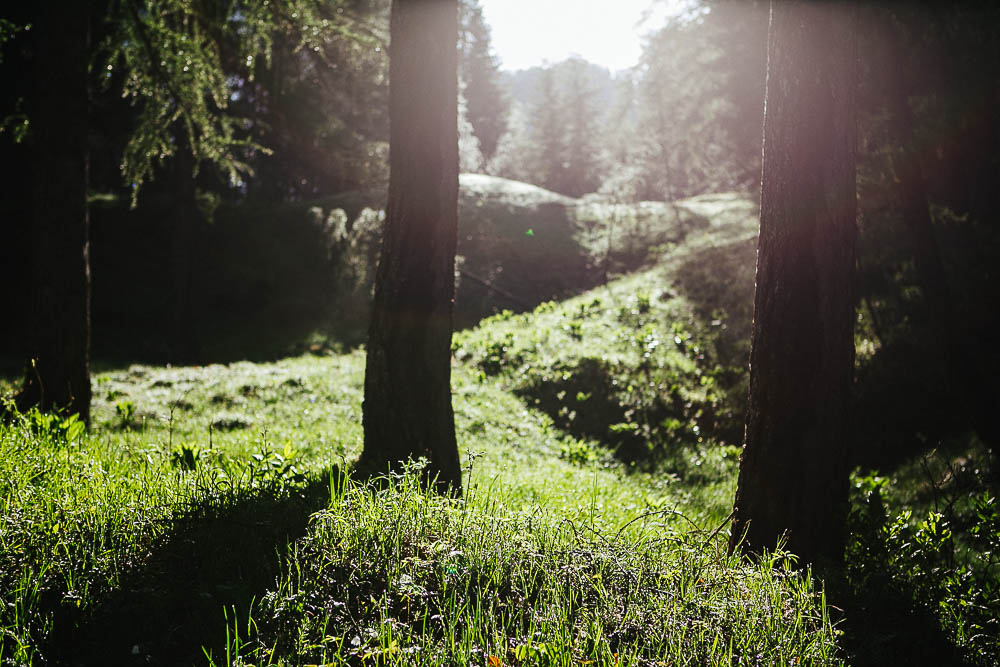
x,y
936,568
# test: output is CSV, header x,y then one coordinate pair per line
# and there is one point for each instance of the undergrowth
x,y
206,516
396,576
923,562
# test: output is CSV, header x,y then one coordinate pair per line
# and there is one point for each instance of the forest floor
x,y
208,510
208,516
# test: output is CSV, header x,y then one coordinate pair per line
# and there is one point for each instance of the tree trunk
x,y
58,372
407,405
793,472
184,347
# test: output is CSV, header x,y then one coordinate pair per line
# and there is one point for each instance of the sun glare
x,y
528,33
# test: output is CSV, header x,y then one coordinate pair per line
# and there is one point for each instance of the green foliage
x,y
555,135
54,425
170,55
113,519
276,468
125,411
646,371
577,451
495,354
932,574
175,62
70,524
321,101
695,122
558,554
186,457
479,582
634,377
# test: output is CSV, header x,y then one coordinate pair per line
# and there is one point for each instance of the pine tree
x,y
487,106
581,168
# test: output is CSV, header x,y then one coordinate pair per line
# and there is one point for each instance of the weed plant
x,y
635,371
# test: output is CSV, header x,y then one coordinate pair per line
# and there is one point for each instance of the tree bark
x,y
58,371
793,472
407,405
185,217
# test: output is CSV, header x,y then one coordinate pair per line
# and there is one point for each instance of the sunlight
x,y
527,33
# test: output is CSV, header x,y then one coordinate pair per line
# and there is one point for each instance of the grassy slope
x,y
162,530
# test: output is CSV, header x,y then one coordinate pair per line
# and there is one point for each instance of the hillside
x,y
300,274
213,499
520,245
208,516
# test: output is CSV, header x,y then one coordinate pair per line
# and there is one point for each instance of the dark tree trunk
x,y
960,348
184,347
58,372
793,473
407,405
16,204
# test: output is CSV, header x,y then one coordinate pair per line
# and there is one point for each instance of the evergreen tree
x,y
487,106
547,157
581,168
699,102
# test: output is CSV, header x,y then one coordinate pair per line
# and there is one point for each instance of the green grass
x,y
400,577
534,563
206,517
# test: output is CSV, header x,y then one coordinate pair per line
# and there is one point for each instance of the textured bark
x,y
793,472
407,405
58,372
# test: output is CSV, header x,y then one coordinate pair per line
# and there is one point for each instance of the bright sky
x,y
605,32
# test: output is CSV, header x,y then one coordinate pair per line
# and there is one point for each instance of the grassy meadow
x,y
208,518
209,515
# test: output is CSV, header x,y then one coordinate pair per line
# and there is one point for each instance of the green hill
x,y
300,274
208,508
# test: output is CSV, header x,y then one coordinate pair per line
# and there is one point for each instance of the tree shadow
x,y
719,282
557,395
217,557
883,626
516,257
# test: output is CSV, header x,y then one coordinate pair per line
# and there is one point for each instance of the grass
x,y
207,516
111,541
398,577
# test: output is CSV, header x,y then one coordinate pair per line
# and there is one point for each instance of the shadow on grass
x,y
883,626
220,556
558,396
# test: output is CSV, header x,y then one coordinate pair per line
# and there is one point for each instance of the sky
x,y
527,33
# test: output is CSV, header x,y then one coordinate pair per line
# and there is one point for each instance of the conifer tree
x,y
487,106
